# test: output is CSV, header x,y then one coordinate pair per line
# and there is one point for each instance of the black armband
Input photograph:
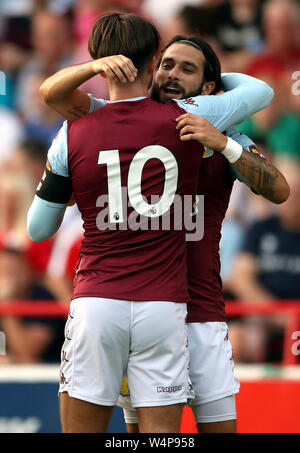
x,y
54,188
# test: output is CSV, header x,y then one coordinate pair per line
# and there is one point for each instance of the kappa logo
x,y
162,389
63,379
190,101
64,357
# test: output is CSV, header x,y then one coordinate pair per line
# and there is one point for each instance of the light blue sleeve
x,y
58,152
241,138
244,96
96,103
247,144
44,219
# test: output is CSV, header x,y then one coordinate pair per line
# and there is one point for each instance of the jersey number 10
x,y
134,185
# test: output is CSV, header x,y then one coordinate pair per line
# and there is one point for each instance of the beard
x,y
156,92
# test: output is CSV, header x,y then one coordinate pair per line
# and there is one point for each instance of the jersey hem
x,y
131,297
195,320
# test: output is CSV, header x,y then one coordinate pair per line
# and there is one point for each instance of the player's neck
x,y
129,90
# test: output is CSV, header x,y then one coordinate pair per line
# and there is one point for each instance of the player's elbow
x,y
279,193
283,192
46,94
34,229
267,94
35,234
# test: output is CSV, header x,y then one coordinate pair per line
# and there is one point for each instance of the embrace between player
x,y
187,67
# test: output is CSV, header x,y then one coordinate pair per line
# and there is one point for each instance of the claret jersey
x,y
153,275
118,158
216,180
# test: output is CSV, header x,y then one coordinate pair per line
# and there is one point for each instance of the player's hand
x,y
193,127
115,67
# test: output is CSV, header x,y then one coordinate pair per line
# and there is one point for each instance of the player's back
x,y
118,157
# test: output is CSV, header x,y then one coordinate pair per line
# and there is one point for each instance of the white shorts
x,y
211,372
211,362
106,339
221,410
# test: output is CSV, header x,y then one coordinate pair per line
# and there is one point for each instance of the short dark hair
x,y
126,34
212,66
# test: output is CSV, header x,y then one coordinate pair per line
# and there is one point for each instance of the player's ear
x,y
208,87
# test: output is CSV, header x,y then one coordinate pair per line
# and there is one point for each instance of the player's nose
x,y
174,74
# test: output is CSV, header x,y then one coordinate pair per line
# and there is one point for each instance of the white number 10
x,y
112,159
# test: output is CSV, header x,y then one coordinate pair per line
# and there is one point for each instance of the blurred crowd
x,y
260,246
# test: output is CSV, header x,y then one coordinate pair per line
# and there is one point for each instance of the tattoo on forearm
x,y
78,111
260,174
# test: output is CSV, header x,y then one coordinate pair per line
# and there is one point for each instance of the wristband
x,y
232,151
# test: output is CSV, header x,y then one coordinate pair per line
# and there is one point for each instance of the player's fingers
x,y
190,118
188,115
188,137
185,121
107,72
117,70
187,129
123,68
128,68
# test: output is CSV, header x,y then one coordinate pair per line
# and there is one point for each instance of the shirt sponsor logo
x,y
162,389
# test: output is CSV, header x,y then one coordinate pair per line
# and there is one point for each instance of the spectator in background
x,y
268,268
11,132
238,25
18,178
15,197
281,53
28,340
53,261
239,32
232,27
277,125
29,157
52,48
192,21
40,122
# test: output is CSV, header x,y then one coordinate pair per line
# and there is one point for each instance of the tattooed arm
x,y
61,91
257,172
263,177
251,168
